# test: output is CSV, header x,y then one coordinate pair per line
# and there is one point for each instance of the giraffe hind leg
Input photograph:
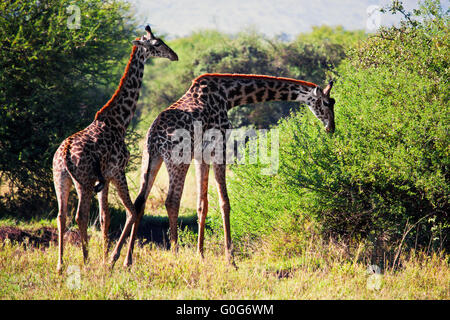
x,y
150,168
202,171
63,182
177,176
82,216
105,219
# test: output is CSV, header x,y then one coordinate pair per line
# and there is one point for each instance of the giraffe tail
x,y
68,162
149,170
101,180
99,187
69,165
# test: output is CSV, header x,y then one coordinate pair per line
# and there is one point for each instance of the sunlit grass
x,y
158,273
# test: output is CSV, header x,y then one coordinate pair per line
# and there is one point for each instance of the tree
x,y
58,66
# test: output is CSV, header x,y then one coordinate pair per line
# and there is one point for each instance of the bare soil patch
x,y
39,238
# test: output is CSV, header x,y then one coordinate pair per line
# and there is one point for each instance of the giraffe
x,y
207,101
98,153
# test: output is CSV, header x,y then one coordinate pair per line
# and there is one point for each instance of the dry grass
x,y
160,274
270,269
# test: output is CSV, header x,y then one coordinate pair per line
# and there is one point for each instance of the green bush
x,y
385,170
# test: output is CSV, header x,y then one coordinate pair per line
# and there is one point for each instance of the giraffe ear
x,y
327,89
136,43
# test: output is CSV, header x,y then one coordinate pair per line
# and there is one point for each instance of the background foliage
x,y
308,57
53,79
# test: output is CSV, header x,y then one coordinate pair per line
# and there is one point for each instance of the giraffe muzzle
x,y
173,57
330,128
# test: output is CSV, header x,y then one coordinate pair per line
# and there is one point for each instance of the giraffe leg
x,y
219,174
63,182
122,189
202,171
82,216
150,168
105,218
177,176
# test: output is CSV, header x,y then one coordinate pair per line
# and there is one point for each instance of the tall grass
x,y
319,272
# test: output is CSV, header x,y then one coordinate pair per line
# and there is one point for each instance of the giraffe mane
x,y
127,68
254,76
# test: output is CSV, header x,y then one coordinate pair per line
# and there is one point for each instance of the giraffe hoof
x,y
231,262
112,262
127,263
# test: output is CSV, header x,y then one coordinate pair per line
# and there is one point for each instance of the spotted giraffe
x,y
98,153
207,102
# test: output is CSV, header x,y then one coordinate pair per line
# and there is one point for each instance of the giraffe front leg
x,y
219,174
122,189
202,172
105,219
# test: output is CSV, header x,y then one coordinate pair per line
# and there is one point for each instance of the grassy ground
x,y
321,271
157,273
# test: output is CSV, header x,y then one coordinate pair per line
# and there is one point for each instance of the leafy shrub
x,y
385,170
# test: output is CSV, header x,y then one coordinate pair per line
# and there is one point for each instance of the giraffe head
x,y
154,47
323,106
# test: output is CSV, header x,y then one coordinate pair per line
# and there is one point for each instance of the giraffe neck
x,y
119,110
246,89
